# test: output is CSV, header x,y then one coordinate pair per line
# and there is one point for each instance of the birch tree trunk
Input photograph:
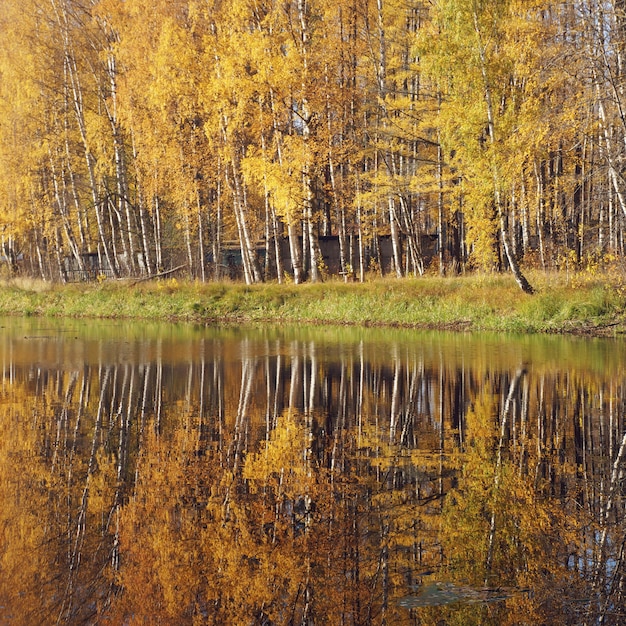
x,y
121,175
75,88
307,177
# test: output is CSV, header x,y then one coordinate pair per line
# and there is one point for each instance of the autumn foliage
x,y
160,135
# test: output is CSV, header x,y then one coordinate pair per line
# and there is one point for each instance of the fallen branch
x,y
159,275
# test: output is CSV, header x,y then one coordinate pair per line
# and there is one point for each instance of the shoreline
x,y
584,307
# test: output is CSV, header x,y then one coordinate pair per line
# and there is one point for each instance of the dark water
x,y
178,475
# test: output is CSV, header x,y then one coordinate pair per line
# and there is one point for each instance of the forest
x,y
456,135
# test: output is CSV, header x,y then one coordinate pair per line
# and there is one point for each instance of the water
x,y
165,474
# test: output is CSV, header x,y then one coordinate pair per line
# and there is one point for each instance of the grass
x,y
583,304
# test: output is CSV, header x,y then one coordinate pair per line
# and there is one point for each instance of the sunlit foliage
x,y
420,135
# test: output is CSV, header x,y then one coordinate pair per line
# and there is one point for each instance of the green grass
x,y
478,302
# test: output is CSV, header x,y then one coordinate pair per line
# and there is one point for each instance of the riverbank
x,y
562,304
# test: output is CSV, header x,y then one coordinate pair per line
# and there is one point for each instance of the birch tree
x,y
478,50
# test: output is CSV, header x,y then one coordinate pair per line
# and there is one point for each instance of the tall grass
x,y
476,302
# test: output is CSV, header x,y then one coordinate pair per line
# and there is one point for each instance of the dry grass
x,y
562,303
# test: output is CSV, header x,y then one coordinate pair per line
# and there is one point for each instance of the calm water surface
x,y
163,474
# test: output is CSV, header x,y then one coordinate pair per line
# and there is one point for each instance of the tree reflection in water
x,y
278,477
